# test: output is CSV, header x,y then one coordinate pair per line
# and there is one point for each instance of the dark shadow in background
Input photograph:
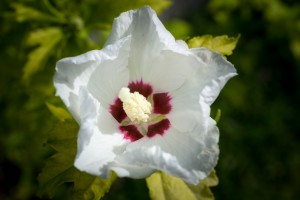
x,y
260,132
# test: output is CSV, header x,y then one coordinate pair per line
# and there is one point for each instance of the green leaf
x,y
295,47
59,168
158,5
179,28
58,112
88,187
222,44
202,191
26,13
99,9
46,39
165,187
218,116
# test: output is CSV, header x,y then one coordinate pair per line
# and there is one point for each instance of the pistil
x,y
135,105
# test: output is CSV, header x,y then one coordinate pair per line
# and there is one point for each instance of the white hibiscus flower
x,y
143,102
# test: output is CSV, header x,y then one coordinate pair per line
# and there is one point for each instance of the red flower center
x,y
161,103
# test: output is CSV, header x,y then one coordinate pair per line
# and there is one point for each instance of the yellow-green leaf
x,y
180,29
46,39
202,191
165,187
88,187
222,44
218,116
158,5
58,112
26,13
99,9
59,168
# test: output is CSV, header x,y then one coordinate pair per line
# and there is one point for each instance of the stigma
x,y
135,105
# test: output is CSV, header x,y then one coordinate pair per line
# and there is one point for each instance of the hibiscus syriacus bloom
x,y
143,102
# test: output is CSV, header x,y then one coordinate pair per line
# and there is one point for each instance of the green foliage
x,y
218,115
259,141
180,29
202,191
26,13
276,13
58,112
117,6
59,167
34,35
88,187
222,44
165,187
56,32
47,40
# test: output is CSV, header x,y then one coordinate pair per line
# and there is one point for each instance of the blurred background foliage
x,y
259,141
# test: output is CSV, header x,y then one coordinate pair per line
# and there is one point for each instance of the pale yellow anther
x,y
135,105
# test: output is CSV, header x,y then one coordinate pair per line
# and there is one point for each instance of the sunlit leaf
x,y
202,191
88,187
218,115
180,29
158,5
25,13
165,187
98,10
59,168
46,39
222,44
58,112
295,47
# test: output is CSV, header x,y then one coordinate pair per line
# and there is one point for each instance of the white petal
x,y
100,150
125,170
210,155
112,74
182,43
71,74
97,145
191,102
214,74
175,153
170,70
99,142
143,24
187,113
91,110
149,38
